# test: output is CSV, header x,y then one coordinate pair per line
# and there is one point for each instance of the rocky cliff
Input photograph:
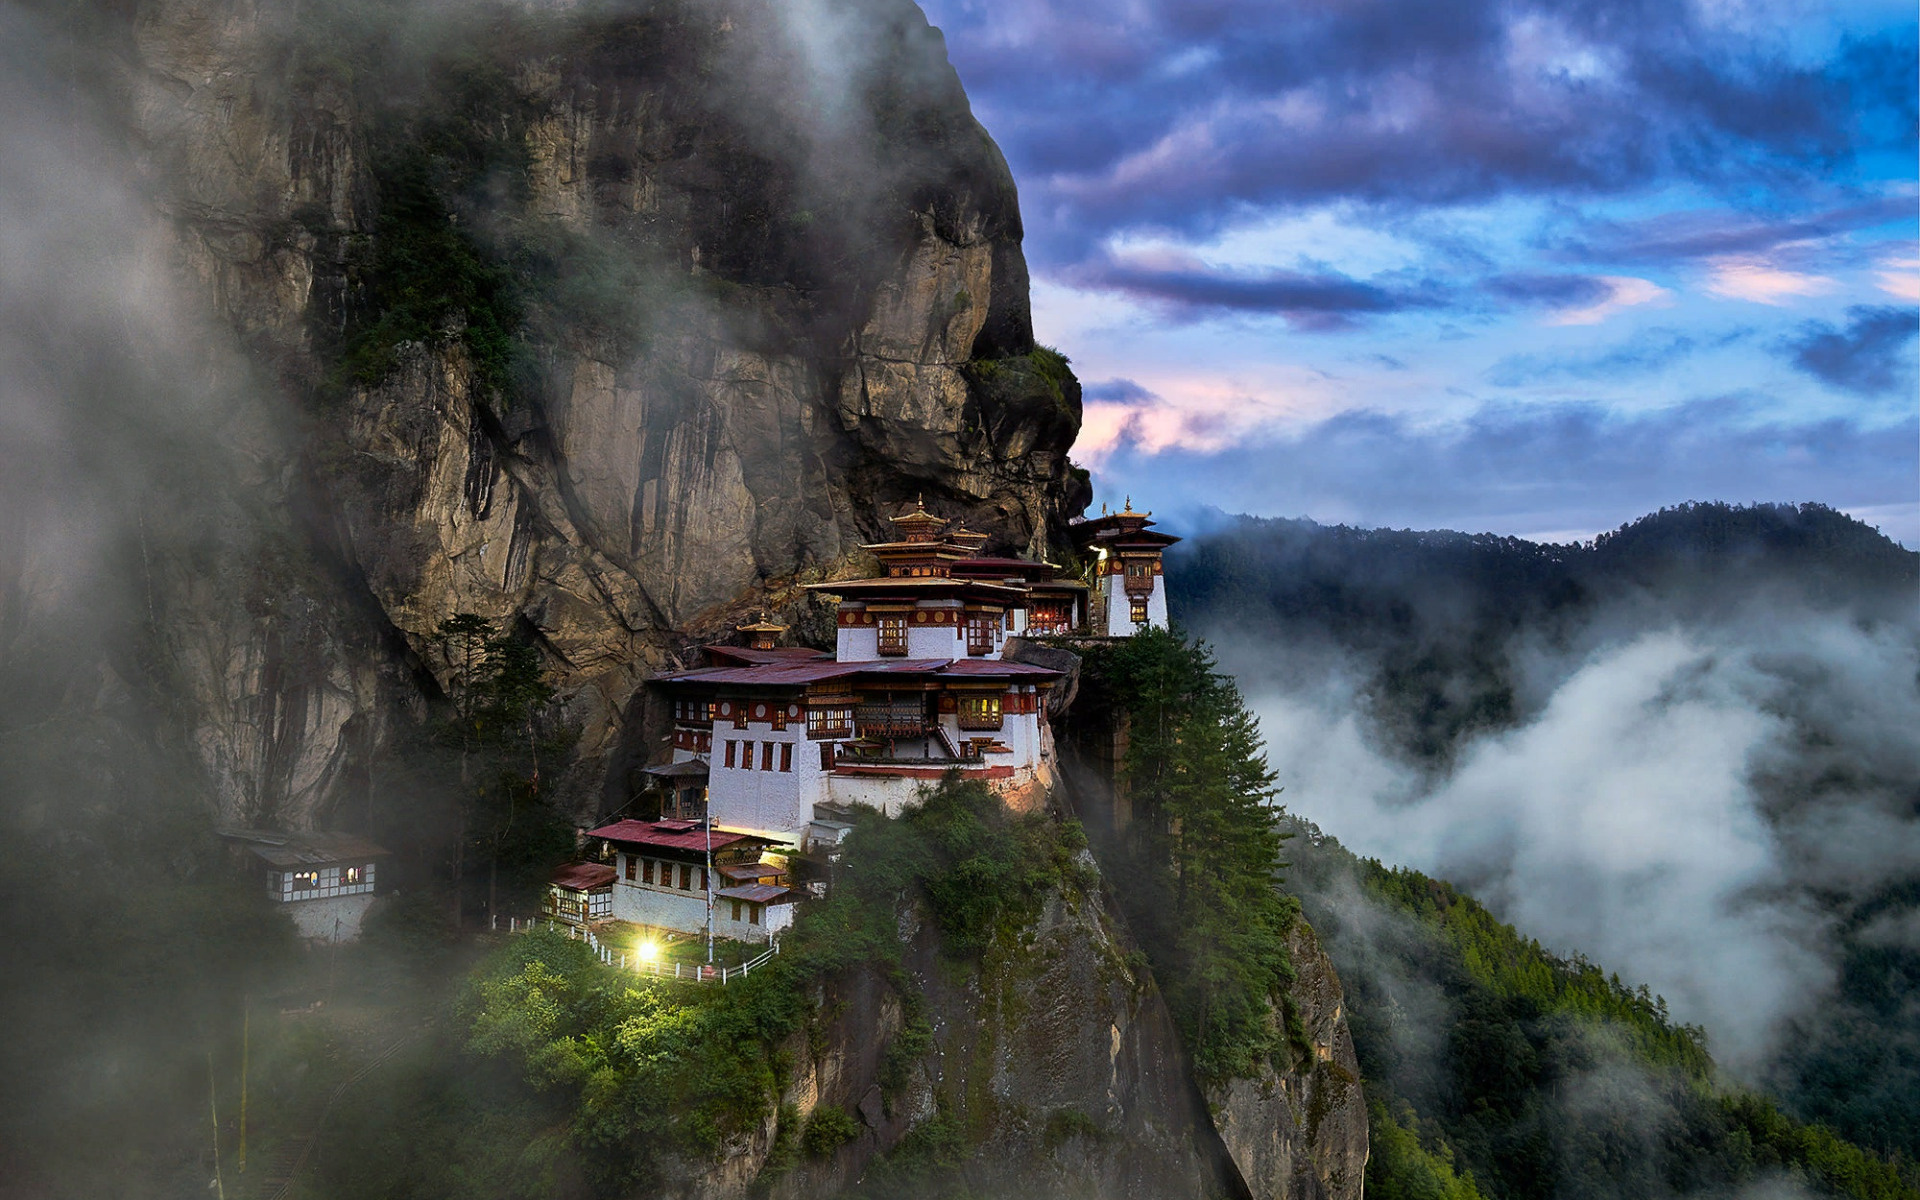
x,y
1302,1134
607,322
1053,1068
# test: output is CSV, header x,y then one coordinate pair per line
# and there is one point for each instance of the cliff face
x,y
1053,1068
1302,1134
607,322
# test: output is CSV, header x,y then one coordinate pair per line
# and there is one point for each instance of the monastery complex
x,y
772,745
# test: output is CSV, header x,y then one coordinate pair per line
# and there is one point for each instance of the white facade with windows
x,y
325,880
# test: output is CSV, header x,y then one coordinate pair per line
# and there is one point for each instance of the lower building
x,y
325,880
580,893
676,875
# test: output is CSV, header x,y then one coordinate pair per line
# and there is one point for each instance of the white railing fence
x,y
683,971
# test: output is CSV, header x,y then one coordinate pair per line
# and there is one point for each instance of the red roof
x,y
670,835
988,565
757,893
978,589
747,654
583,876
781,674
999,668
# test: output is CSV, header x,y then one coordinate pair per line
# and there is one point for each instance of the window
x,y
631,870
305,880
729,759
981,633
893,635
352,875
686,878
736,910
703,879
693,711
786,756
1049,619
753,914
1137,610
826,756
766,756
829,722
646,870
980,712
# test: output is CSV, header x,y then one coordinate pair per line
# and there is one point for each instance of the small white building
x,y
1130,589
326,880
580,893
670,874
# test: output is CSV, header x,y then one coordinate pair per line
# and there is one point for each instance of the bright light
x,y
649,951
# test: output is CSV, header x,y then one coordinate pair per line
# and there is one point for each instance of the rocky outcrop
x,y
1053,1068
1302,1134
1052,1061
714,306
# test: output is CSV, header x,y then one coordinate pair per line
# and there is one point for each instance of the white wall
x,y
336,919
777,803
773,919
935,641
667,909
857,643
1112,598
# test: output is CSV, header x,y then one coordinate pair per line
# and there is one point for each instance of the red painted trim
x,y
885,771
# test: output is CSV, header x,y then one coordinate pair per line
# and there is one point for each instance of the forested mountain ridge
x,y
1496,1069
1441,605
1695,731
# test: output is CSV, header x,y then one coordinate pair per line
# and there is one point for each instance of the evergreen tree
x,y
500,702
1202,851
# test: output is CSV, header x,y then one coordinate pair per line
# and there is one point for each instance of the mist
x,y
1695,805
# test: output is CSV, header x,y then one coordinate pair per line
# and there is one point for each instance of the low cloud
x,y
1657,810
1871,356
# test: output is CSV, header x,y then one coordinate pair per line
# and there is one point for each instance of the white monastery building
x,y
668,874
1130,590
770,743
917,686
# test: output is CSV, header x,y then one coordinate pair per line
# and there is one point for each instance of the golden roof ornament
x,y
920,525
762,634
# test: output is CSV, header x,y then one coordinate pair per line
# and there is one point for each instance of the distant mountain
x,y
1436,608
1804,624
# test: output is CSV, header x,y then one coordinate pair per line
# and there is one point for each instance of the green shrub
x,y
829,1128
1065,1124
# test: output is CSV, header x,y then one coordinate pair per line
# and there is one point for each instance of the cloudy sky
x,y
1535,267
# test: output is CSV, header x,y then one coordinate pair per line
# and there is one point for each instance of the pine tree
x,y
1203,851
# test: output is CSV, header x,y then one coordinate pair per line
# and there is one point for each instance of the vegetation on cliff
x,y
593,1080
1199,856
1497,1069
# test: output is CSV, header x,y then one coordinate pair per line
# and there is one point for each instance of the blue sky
x,y
1530,267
